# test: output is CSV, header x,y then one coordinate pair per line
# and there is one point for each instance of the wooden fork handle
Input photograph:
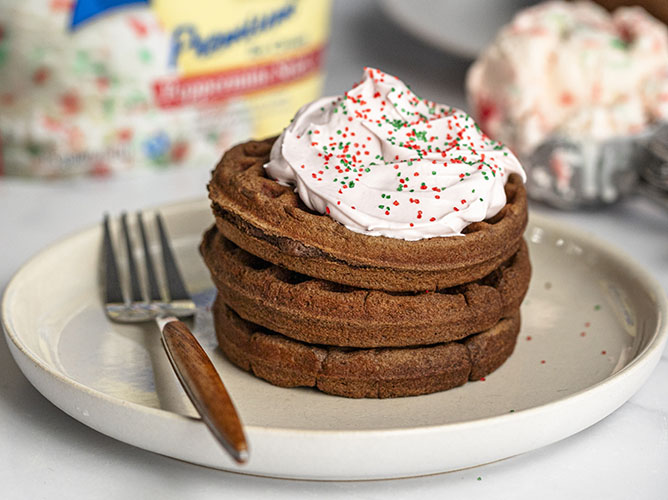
x,y
202,383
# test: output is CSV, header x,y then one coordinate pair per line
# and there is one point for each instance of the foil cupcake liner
x,y
656,171
571,173
654,174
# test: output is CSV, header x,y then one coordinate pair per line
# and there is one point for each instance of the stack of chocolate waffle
x,y
303,301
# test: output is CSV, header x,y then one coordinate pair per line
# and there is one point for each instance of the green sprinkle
x,y
108,105
34,149
145,55
397,123
81,62
597,307
618,43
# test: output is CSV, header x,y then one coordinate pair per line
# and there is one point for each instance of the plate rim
x,y
657,338
461,50
658,335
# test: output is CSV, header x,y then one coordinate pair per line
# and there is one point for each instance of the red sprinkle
x,y
40,75
70,102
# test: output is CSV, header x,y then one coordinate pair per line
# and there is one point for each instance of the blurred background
x,y
101,88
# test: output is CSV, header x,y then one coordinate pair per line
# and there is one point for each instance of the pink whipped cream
x,y
384,162
574,70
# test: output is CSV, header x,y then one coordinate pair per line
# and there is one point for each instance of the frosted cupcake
x,y
570,87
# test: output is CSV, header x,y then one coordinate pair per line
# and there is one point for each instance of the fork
x,y
190,362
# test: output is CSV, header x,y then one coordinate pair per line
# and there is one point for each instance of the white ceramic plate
x,y
593,329
463,28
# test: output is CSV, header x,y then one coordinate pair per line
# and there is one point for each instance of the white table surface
x,y
46,454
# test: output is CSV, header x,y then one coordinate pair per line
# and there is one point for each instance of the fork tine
x,y
153,289
135,289
177,290
113,293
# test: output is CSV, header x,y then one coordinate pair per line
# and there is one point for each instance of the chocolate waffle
x,y
363,373
322,312
269,220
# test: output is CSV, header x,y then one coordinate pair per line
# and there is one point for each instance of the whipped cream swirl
x,y
384,162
